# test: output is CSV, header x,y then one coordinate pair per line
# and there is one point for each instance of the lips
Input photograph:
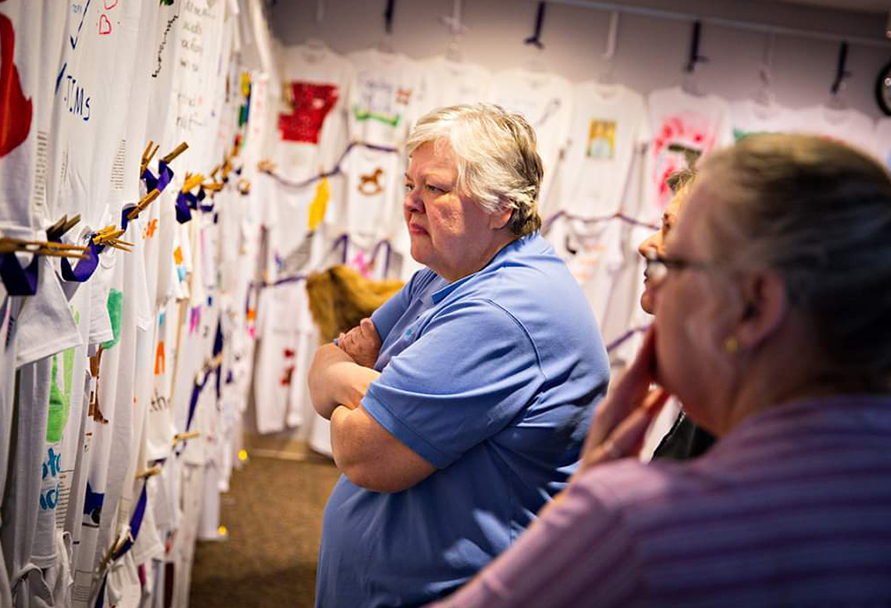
x,y
416,229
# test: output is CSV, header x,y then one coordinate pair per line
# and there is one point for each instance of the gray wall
x,y
650,51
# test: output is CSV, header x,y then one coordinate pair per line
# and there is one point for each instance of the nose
x,y
649,244
413,202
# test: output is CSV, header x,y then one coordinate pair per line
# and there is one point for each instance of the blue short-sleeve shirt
x,y
492,379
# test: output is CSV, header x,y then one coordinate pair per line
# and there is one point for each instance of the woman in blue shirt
x,y
460,408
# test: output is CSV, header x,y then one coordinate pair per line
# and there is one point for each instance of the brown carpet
x,y
273,513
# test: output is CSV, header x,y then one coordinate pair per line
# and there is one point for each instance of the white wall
x,y
650,52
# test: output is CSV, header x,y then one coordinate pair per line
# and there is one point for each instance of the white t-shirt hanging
x,y
747,117
8,313
92,109
448,83
545,100
383,97
291,252
312,120
371,206
676,117
609,127
46,324
593,253
849,126
62,433
32,35
201,62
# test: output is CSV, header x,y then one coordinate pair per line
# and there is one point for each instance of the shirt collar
x,y
440,294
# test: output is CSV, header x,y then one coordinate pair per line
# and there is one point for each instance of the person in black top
x,y
685,440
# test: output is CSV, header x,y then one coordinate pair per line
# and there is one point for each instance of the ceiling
x,y
867,6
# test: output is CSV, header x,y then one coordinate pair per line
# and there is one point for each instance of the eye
x,y
408,187
435,189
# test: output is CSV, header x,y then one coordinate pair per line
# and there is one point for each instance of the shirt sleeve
x,y
469,372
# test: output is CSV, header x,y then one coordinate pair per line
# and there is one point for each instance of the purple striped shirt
x,y
791,508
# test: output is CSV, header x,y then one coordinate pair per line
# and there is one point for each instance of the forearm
x,y
370,456
335,379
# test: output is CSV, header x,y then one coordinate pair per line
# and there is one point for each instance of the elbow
x,y
367,478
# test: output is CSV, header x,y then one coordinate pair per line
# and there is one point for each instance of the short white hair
x,y
495,153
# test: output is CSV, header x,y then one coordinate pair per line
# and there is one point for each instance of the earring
x,y
731,345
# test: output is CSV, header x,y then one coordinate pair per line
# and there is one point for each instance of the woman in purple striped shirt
x,y
772,326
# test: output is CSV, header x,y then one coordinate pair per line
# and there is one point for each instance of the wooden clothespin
x,y
244,185
227,168
266,166
149,472
108,236
192,181
147,155
212,186
117,547
176,152
213,174
146,200
57,230
180,437
49,248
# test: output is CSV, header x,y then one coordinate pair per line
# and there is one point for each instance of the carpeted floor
x,y
273,513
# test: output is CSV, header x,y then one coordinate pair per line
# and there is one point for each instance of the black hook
x,y
841,74
695,57
535,39
388,15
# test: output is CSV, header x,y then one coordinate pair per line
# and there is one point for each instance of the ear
x,y
499,219
765,307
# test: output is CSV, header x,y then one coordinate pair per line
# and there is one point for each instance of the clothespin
x,y
147,155
266,166
49,248
114,549
57,230
244,185
108,236
150,472
227,167
212,186
192,181
176,152
213,174
180,437
146,200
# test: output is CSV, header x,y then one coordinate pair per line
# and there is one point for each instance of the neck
x,y
503,238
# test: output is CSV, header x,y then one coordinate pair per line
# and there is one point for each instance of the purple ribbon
x,y
17,280
186,201
85,268
135,526
165,175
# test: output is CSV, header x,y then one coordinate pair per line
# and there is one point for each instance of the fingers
x,y
369,330
627,438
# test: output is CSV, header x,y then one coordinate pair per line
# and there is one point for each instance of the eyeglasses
x,y
659,265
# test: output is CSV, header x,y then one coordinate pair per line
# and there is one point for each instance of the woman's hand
x,y
362,343
621,420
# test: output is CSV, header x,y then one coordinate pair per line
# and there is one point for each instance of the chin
x,y
646,302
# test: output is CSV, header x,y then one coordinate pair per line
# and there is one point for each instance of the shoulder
x,y
633,487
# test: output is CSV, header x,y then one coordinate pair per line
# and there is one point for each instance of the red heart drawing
x,y
113,4
104,25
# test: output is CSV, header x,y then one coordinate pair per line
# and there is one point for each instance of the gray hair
x,y
817,212
498,166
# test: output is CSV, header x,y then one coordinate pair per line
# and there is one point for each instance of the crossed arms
x,y
363,450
